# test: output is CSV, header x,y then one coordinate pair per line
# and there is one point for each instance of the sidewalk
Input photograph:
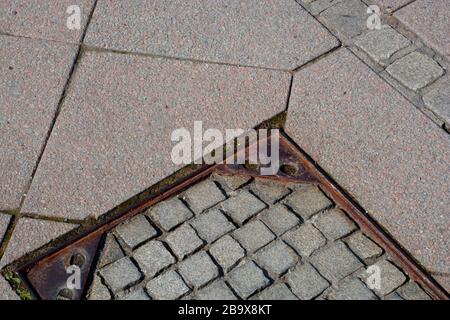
x,y
86,115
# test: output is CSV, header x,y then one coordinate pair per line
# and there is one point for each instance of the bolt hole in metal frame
x,y
46,276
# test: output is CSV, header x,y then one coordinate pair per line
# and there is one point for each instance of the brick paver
x,y
270,33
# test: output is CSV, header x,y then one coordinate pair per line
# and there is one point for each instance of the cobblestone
x,y
227,252
334,224
203,196
438,101
169,214
415,70
276,258
137,295
211,225
120,274
247,278
198,269
306,282
380,45
218,290
335,261
168,286
98,290
279,219
254,235
347,18
231,182
363,247
276,292
183,241
242,207
412,291
269,191
352,289
136,231
308,201
391,277
152,257
305,239
111,252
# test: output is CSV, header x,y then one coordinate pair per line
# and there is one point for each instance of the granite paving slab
x,y
270,33
430,20
32,77
360,131
43,19
112,139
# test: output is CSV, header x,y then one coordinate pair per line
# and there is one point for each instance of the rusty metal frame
x,y
46,276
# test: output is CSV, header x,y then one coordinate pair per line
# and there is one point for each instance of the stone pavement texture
x,y
6,292
359,130
270,33
32,79
43,19
250,260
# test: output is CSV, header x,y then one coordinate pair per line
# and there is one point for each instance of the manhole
x,y
225,232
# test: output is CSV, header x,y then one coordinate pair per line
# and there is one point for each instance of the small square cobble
x,y
153,257
137,295
363,247
279,219
334,224
183,241
305,282
381,44
352,289
393,296
168,286
218,290
198,269
276,258
231,182
347,18
275,292
415,70
335,261
211,225
247,278
308,201
170,213
269,191
243,206
254,235
120,274
412,291
203,196
227,252
98,290
305,239
391,277
438,101
111,251
136,231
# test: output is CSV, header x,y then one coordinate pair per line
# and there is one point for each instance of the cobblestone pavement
x,y
233,238
86,114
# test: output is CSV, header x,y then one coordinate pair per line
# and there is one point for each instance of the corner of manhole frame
x,y
45,276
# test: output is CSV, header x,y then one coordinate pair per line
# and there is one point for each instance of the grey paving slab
x,y
306,282
415,70
271,33
136,231
121,274
168,286
317,6
4,223
113,136
32,78
43,19
31,234
359,130
168,214
6,292
438,101
347,18
381,44
430,21
391,5
218,290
